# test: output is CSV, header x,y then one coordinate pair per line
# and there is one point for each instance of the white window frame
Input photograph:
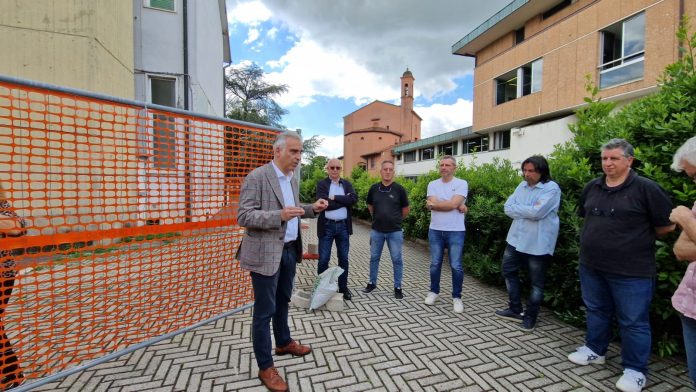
x,y
148,4
624,61
536,75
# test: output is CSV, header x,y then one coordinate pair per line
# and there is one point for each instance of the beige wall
x,y
569,45
369,129
83,44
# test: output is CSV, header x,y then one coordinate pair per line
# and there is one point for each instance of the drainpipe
x,y
187,136
224,90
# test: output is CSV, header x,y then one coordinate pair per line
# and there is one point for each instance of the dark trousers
x,y
536,267
335,231
272,296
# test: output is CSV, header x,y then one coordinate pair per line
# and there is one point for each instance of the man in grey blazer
x,y
270,211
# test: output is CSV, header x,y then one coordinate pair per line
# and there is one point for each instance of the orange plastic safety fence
x,y
130,220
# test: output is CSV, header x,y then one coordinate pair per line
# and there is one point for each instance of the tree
x,y
309,147
250,98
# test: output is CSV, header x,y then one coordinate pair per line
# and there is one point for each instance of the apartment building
x,y
532,59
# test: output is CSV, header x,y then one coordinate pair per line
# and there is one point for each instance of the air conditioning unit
x,y
517,131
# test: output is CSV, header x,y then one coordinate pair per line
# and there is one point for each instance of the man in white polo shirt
x,y
445,200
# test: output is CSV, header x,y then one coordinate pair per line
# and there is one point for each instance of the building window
x,y
623,52
167,5
447,149
519,82
519,35
163,92
476,144
410,156
428,153
501,140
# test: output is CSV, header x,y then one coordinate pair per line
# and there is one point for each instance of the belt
x,y
289,244
336,221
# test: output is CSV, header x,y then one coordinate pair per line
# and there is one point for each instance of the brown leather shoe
x,y
293,348
272,380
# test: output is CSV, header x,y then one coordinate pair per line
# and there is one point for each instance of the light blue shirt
x,y
535,224
293,225
340,213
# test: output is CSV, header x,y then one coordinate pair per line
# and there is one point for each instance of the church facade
x,y
371,132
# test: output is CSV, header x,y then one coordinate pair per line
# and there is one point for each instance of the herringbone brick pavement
x,y
378,343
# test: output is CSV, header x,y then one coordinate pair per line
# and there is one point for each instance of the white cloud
x,y
358,50
441,118
312,71
251,13
252,36
272,33
379,40
331,146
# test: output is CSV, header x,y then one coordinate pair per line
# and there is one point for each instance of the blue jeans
x,y
513,261
337,231
689,332
272,296
395,241
628,298
454,242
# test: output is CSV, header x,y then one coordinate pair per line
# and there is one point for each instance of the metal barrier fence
x,y
130,214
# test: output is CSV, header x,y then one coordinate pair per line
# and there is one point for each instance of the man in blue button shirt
x,y
531,238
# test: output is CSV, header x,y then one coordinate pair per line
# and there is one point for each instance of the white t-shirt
x,y
452,220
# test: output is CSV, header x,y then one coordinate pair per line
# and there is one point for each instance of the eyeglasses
x,y
387,190
334,167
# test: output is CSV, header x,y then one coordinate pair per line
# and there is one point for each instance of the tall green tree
x,y
251,98
309,147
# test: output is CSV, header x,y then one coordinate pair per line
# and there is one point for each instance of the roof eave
x,y
510,18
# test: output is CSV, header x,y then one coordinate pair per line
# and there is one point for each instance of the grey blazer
x,y
260,202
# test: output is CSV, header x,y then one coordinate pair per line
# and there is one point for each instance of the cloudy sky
x,y
337,56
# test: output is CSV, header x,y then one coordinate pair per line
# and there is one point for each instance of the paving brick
x,y
378,343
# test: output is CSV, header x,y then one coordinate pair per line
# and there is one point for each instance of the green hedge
x,y
656,125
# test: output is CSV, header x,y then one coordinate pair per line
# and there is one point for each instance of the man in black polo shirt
x,y
387,202
623,215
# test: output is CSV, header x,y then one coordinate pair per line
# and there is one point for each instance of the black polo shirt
x,y
618,233
387,203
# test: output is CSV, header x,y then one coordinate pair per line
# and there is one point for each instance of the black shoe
x,y
528,324
509,314
369,288
398,294
347,295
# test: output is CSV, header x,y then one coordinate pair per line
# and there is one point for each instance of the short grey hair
x,y
615,143
450,157
687,152
283,137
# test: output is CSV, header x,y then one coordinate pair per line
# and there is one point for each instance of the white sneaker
x,y
431,298
458,305
631,381
585,356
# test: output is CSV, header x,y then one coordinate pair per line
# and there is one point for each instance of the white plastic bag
x,y
325,286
